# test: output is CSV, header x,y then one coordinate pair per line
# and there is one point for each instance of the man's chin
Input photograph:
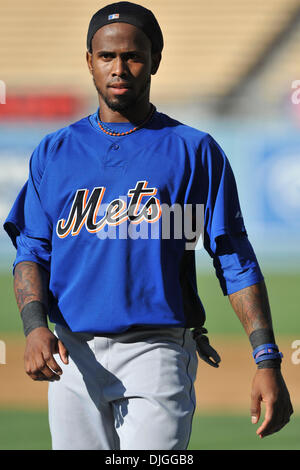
x,y
120,103
119,107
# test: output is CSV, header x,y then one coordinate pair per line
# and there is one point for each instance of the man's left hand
x,y
269,387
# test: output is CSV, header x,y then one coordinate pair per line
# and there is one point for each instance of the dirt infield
x,y
224,389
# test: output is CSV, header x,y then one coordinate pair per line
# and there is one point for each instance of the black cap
x,y
127,12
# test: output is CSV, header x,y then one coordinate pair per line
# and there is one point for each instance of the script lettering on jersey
x,y
84,210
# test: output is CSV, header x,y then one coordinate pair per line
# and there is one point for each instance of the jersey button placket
x,y
114,156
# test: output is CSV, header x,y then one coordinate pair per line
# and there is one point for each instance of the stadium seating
x,y
208,45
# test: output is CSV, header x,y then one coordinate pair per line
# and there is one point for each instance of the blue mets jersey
x,y
105,216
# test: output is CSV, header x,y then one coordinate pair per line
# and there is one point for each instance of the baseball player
x,y
94,258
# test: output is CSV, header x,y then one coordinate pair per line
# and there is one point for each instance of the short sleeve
x,y
27,219
37,250
222,211
236,264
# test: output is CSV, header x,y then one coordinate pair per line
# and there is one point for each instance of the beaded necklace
x,y
109,131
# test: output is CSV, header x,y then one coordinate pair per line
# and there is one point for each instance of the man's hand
x,y
269,387
39,362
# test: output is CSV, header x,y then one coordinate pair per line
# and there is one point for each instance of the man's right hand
x,y
39,362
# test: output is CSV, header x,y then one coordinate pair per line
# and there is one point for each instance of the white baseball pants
x,y
131,391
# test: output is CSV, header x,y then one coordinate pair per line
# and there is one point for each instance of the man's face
x,y
121,64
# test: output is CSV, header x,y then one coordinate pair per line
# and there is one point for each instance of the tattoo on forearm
x,y
252,307
30,283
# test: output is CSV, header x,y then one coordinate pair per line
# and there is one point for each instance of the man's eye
x,y
134,57
106,56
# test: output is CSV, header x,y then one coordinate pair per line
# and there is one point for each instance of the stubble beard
x,y
123,103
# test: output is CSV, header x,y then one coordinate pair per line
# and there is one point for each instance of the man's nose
x,y
119,67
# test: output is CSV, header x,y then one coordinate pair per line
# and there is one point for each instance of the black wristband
x,y
34,315
263,336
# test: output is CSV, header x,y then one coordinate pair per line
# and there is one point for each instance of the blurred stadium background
x,y
230,68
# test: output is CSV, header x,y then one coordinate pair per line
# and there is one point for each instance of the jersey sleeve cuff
x,y
245,280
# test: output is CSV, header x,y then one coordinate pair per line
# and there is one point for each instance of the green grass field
x,y
29,429
235,432
283,294
284,297
21,430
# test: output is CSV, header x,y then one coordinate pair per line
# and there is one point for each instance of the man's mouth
x,y
119,88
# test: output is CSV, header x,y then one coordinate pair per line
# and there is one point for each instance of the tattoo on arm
x,y
252,307
30,283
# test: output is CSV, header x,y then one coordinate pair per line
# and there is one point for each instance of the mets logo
x,y
84,210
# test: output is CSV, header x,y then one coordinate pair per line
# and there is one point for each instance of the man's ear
x,y
156,58
89,61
